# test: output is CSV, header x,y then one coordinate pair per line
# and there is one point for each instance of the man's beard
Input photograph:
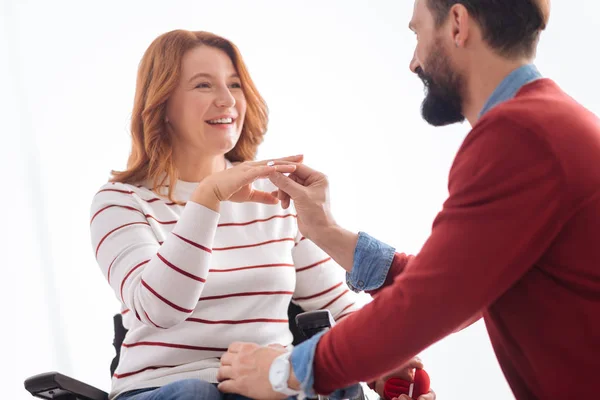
x,y
443,101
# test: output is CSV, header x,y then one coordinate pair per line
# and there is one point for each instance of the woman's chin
x,y
227,145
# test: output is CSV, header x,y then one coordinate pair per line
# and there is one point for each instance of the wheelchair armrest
x,y
312,322
53,385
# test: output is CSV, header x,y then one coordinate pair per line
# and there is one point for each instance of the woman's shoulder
x,y
119,193
120,189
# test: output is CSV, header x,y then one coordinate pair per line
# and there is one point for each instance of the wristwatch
x,y
279,373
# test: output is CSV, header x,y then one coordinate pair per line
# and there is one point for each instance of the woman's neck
x,y
194,168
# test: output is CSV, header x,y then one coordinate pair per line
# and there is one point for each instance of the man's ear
x,y
460,25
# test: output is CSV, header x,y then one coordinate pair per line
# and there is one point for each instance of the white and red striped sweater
x,y
192,281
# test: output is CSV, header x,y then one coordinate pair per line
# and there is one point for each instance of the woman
x,y
189,237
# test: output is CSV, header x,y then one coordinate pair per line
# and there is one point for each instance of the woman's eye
x,y
203,85
236,85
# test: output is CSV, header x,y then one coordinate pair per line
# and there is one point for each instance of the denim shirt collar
x,y
509,87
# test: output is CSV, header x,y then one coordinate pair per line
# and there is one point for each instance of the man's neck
x,y
483,80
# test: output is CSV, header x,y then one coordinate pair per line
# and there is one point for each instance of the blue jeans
x,y
185,389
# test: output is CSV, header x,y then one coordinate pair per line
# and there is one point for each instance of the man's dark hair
x,y
511,27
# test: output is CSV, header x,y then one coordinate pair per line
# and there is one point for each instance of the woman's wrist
x,y
205,196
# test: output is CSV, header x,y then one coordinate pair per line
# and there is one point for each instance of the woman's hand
x,y
235,184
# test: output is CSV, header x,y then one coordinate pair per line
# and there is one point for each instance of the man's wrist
x,y
337,242
322,234
293,382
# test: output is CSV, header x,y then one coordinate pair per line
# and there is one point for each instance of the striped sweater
x,y
191,281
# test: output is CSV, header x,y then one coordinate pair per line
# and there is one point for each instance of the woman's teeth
x,y
221,121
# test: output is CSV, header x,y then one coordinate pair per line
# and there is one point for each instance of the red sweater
x,y
518,240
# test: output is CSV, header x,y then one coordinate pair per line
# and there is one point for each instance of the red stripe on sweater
x,y
313,265
182,272
193,243
334,300
116,229
109,268
148,216
251,267
256,220
241,321
125,311
245,294
301,239
132,192
116,190
127,374
320,293
164,300
152,322
127,276
253,245
342,315
174,346
159,221
114,205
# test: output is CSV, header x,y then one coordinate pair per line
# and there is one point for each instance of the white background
x,y
335,75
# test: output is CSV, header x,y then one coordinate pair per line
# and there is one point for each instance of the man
x,y
516,240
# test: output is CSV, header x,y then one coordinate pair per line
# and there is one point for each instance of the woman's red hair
x,y
158,76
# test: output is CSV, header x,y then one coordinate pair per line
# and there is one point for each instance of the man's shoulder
x,y
536,105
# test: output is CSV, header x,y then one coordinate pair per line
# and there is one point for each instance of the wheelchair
x,y
56,386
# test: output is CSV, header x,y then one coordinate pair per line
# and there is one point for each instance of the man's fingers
x,y
229,386
264,171
297,179
224,373
235,347
227,358
284,198
297,158
415,362
276,346
428,396
304,172
287,185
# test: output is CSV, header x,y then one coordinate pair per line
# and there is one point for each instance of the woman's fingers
x,y
258,196
263,171
276,161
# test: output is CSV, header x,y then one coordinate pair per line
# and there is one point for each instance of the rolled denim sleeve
x,y
372,261
302,360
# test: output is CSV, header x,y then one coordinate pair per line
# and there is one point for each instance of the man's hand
x,y
310,191
245,370
428,396
406,372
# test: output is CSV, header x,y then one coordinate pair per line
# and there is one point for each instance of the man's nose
x,y
414,63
